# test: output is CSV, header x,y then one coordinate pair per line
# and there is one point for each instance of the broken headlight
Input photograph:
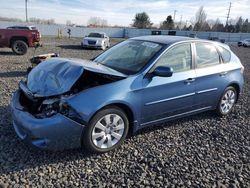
x,y
69,112
48,108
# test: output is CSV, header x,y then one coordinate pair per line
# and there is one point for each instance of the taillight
x,y
242,70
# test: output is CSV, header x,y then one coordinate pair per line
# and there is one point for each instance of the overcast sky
x,y
121,12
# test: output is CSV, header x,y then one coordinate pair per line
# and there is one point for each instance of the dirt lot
x,y
198,151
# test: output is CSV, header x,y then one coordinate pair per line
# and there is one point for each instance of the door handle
x,y
223,73
189,80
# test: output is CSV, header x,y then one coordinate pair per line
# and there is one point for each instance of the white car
x,y
96,40
245,43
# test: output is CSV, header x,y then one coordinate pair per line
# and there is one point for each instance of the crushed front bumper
x,y
54,133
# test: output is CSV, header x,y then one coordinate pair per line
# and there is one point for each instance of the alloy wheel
x,y
108,131
227,101
19,47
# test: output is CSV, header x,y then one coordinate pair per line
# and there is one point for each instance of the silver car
x,y
245,43
96,40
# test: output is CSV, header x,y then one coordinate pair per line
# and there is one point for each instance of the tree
x,y
239,24
206,27
218,26
168,23
141,21
187,28
97,22
200,19
230,28
68,23
190,28
10,19
42,21
246,26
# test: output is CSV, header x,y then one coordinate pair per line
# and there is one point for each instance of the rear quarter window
x,y
226,54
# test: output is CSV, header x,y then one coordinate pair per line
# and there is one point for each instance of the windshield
x,y
96,35
130,56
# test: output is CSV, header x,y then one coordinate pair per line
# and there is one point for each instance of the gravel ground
x,y
198,151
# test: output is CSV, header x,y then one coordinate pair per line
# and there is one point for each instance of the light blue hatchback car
x,y
68,103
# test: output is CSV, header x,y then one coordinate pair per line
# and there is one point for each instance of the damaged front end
x,y
44,93
41,113
45,107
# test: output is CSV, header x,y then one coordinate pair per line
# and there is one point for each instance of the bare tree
x,y
200,19
217,26
42,21
68,23
10,19
97,22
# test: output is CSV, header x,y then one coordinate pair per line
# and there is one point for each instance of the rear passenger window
x,y
206,55
226,55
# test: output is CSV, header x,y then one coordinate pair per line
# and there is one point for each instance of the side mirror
x,y
163,71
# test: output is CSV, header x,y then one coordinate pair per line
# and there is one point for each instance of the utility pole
x,y
180,22
26,10
174,14
228,14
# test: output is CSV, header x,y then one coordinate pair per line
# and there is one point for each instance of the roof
x,y
30,27
164,39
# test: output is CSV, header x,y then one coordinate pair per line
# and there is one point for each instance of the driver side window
x,y
179,58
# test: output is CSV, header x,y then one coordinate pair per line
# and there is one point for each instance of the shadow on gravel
x,y
12,74
7,53
173,123
76,47
71,47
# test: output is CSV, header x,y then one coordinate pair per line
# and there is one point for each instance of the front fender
x,y
127,92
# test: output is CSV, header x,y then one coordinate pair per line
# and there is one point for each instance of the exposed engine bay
x,y
42,107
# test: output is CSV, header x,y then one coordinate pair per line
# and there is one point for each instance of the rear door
x,y
211,76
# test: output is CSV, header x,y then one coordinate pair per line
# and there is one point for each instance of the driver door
x,y
166,97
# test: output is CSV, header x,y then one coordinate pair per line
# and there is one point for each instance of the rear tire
x,y
106,131
19,47
227,101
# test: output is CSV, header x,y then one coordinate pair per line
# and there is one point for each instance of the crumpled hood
x,y
57,75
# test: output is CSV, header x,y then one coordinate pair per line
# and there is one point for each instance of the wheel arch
x,y
14,38
237,87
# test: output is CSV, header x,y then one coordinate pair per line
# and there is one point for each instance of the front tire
x,y
104,46
106,131
227,101
19,47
